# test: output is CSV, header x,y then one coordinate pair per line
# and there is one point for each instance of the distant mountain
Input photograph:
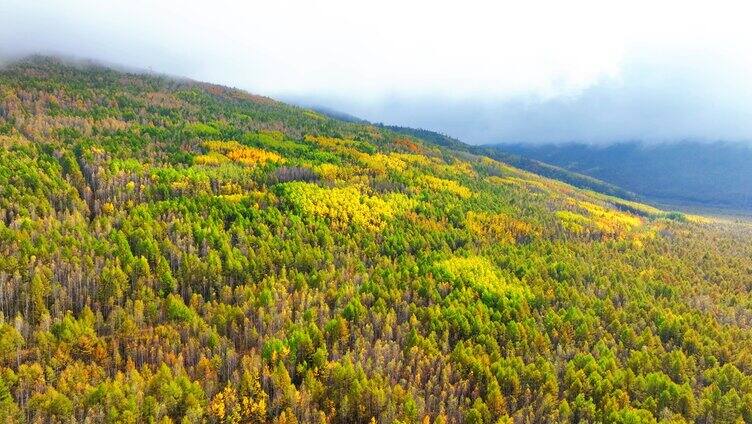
x,y
704,174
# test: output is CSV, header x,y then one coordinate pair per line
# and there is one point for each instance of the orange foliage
x,y
409,146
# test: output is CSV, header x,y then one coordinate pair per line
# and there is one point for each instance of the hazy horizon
x,y
534,73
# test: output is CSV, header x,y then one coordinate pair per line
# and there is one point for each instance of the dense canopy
x,y
175,251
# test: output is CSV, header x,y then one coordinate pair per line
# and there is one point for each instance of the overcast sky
x,y
485,72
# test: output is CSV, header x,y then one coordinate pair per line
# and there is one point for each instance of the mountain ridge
x,y
537,167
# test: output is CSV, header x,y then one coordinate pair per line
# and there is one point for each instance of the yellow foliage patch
x,y
211,159
344,206
499,227
222,146
478,272
697,219
331,142
413,159
222,151
233,198
573,222
475,268
252,156
636,207
457,168
610,223
499,165
441,184
381,163
332,172
328,171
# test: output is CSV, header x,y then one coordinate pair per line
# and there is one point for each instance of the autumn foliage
x,y
174,251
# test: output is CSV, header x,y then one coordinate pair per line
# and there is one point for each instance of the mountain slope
x,y
707,174
517,161
179,251
537,167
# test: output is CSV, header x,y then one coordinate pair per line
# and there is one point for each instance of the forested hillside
x,y
500,153
174,251
696,174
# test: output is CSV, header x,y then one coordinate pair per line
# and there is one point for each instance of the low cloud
x,y
684,97
484,72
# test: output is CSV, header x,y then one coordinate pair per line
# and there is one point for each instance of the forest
x,y
173,251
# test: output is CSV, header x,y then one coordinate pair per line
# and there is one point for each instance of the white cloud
x,y
367,55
